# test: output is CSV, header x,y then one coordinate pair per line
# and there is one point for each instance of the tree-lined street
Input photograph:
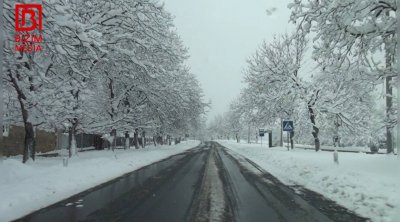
x,y
105,65
228,110
176,188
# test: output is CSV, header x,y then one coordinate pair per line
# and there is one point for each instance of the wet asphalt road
x,y
174,189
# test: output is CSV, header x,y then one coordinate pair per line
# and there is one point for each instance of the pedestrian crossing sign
x,y
287,125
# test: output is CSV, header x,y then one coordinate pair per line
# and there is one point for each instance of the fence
x,y
13,141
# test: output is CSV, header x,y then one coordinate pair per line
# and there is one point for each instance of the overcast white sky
x,y
221,35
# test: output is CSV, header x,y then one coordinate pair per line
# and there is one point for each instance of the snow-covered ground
x,y
25,188
366,184
362,149
324,147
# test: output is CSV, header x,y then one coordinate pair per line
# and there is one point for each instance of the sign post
x,y
287,126
288,140
261,133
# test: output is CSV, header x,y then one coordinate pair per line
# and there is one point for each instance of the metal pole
x,y
288,140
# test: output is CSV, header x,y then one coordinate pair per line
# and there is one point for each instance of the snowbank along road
x,y
207,183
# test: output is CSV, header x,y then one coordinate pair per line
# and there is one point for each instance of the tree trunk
x,y
398,81
390,60
248,135
315,131
161,140
144,139
1,141
1,123
281,139
336,138
126,140
1,81
136,139
291,134
389,99
72,138
29,142
114,140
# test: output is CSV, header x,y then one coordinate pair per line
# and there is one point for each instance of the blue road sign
x,y
261,132
287,125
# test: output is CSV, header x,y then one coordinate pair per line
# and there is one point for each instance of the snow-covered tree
x,y
330,97
273,77
104,66
362,32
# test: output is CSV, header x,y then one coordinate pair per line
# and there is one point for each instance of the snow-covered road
x,y
366,184
239,181
209,183
25,188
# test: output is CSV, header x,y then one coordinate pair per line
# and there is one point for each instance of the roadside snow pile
x,y
366,184
331,148
25,188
